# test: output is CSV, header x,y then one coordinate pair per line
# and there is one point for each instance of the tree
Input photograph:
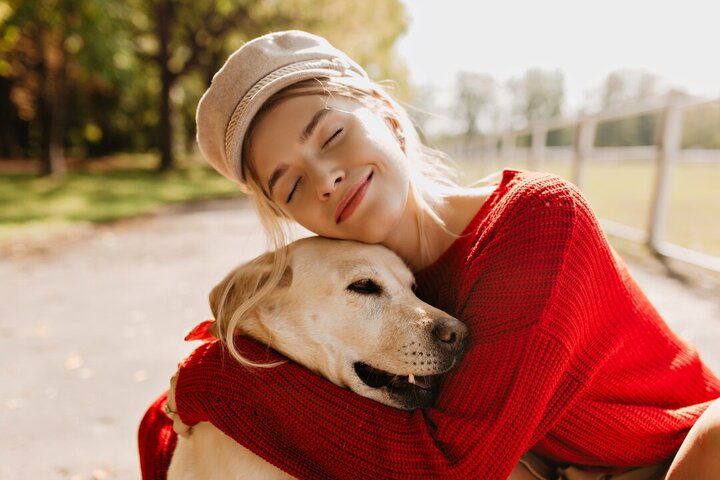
x,y
183,37
624,87
702,127
174,35
47,49
539,94
131,71
628,87
39,33
475,95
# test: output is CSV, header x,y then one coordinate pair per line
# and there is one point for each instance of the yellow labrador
x,y
344,310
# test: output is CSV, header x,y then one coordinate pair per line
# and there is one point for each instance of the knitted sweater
x,y
567,358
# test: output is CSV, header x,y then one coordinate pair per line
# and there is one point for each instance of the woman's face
x,y
332,165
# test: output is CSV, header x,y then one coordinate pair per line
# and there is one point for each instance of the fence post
x,y
582,146
669,140
537,146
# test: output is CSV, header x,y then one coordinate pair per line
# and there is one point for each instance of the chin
x,y
380,221
376,231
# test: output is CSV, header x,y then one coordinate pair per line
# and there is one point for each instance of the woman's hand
x,y
171,410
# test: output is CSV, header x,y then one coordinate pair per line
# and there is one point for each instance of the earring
x,y
400,138
396,128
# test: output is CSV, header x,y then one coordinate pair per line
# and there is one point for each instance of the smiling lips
x,y
352,199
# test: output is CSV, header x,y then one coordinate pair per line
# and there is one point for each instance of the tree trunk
x,y
53,99
163,15
9,134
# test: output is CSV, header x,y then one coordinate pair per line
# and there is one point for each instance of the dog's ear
x,y
286,279
217,292
244,282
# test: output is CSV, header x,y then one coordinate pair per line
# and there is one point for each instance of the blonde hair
x,y
430,178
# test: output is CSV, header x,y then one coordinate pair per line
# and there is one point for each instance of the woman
x,y
569,363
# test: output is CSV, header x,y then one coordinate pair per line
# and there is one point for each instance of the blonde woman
x,y
569,364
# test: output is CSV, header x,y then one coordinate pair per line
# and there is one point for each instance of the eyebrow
x,y
310,127
277,173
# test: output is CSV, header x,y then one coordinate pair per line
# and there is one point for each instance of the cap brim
x,y
234,150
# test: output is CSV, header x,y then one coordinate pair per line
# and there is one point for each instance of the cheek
x,y
361,325
314,220
394,169
400,168
385,207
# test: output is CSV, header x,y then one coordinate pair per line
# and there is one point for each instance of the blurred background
x,y
97,98
113,229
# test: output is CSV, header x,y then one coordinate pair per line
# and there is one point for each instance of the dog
x,y
344,310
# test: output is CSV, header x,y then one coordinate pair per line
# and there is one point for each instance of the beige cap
x,y
252,75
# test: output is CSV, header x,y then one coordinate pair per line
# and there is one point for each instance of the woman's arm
x,y
311,428
510,389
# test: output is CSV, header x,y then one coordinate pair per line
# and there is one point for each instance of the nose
x,y
326,180
328,186
450,333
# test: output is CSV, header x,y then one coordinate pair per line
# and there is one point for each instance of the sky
x,y
679,40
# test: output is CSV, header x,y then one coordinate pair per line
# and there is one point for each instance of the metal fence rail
x,y
665,153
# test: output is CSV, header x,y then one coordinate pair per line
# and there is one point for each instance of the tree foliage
x,y
702,127
475,97
91,77
537,95
48,50
628,87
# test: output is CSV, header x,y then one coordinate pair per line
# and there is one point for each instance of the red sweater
x,y
567,359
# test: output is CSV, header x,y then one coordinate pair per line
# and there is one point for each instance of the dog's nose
x,y
450,332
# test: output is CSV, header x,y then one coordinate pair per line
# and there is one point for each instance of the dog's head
x,y
347,311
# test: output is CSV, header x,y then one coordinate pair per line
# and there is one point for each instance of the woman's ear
x,y
397,130
389,112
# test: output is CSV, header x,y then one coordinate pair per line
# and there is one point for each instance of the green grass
x,y
622,192
119,188
126,186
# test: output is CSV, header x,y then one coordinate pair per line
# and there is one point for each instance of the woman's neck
x,y
456,211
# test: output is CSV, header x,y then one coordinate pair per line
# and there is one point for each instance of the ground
x,y
91,330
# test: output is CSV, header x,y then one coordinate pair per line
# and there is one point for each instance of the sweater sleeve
x,y
514,382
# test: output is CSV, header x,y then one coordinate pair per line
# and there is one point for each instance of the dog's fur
x,y
344,310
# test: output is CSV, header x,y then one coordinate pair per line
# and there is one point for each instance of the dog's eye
x,y
365,286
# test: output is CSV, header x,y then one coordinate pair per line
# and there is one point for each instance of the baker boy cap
x,y
250,76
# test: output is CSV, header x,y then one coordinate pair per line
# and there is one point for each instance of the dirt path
x,y
90,333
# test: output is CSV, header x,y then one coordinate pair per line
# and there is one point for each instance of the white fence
x,y
665,153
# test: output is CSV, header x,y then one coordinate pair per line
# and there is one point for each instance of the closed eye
x,y
366,286
332,137
295,187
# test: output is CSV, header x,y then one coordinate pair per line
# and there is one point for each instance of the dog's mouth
x,y
376,378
